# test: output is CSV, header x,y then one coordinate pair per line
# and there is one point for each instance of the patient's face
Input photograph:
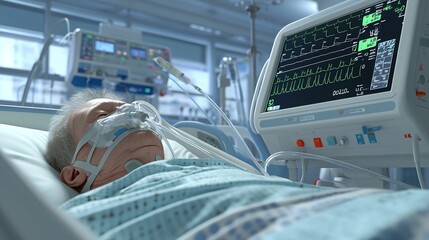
x,y
143,146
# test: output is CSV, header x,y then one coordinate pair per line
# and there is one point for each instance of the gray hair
x,y
60,147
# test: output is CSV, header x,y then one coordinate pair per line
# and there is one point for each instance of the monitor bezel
x,y
401,70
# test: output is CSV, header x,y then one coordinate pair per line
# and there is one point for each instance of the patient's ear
x,y
73,177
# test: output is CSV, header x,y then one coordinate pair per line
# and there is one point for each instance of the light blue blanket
x,y
203,199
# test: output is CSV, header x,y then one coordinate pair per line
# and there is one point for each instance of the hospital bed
x,y
32,193
32,190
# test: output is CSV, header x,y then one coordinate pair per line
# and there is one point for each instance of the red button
x,y
300,143
420,93
318,142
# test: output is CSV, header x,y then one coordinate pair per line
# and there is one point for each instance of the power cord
x,y
289,155
416,158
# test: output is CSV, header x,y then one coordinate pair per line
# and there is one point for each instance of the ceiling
x,y
222,21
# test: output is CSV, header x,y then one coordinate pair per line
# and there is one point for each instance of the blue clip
x,y
367,130
120,131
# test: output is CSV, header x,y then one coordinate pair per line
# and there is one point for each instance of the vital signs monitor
x,y
119,63
350,82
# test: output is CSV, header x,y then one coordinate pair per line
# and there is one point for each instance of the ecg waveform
x,y
324,37
316,77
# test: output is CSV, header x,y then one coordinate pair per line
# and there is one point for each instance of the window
x,y
58,56
19,54
22,54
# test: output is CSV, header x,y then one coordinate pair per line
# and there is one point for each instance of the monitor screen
x,y
104,47
138,53
349,56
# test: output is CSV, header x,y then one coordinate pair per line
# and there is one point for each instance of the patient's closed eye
x,y
103,109
101,116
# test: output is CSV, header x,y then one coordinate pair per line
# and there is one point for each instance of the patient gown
x,y
213,199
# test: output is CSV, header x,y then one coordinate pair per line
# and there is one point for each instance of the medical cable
x,y
193,100
189,141
304,168
66,20
35,69
184,139
162,136
68,35
333,182
238,89
226,119
174,132
416,158
155,123
173,71
284,155
36,66
181,76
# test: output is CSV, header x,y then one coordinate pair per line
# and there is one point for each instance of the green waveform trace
x,y
324,27
309,72
317,80
310,78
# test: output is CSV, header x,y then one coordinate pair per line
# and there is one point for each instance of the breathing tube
x,y
183,78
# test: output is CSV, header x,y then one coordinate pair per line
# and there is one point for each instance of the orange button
x,y
300,143
420,93
318,142
408,135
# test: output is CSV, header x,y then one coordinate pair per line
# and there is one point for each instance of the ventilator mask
x,y
109,131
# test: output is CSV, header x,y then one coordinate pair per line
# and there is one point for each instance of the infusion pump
x,y
98,60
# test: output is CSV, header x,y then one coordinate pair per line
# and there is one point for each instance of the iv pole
x,y
252,9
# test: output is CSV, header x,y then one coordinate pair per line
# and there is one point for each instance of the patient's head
x,y
71,125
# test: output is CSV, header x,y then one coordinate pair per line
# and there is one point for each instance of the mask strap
x,y
94,145
96,169
86,166
91,134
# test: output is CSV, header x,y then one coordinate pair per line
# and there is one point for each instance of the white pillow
x,y
24,148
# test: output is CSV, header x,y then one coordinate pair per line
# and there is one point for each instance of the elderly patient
x,y
199,198
71,125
